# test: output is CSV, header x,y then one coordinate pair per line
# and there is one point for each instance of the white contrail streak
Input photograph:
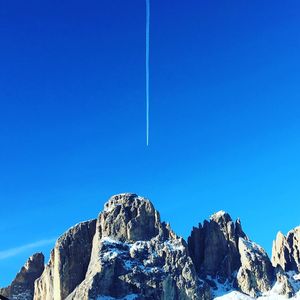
x,y
147,67
17,250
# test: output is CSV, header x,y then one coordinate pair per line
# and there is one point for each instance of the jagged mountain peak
x,y
221,215
22,287
213,246
122,199
129,217
129,253
286,250
68,263
34,262
295,232
280,235
256,274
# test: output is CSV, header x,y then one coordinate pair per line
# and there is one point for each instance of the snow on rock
x,y
252,249
135,253
277,292
234,295
127,253
138,256
256,274
217,215
128,297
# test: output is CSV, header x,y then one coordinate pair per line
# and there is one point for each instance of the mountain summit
x,y
129,253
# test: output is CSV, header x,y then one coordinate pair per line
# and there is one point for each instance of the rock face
x,y
213,246
22,286
127,217
222,252
256,274
136,255
68,263
286,284
286,251
128,253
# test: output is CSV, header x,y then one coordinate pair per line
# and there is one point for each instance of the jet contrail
x,y
147,67
15,251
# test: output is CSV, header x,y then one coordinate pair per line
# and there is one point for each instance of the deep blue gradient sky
x,y
225,91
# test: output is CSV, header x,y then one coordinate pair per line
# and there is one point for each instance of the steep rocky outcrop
x,y
286,251
256,274
222,252
129,253
285,284
22,286
213,246
136,254
68,263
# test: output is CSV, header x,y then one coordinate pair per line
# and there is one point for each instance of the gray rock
x,y
127,217
213,246
222,253
286,250
68,263
134,253
256,274
22,287
128,253
284,282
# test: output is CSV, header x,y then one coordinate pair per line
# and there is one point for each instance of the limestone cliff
x,y
22,287
286,250
129,253
68,263
136,255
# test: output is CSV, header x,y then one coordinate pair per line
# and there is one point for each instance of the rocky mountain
x,y
68,263
224,255
286,251
22,287
129,253
214,246
256,274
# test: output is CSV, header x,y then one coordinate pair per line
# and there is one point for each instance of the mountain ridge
x,y
129,253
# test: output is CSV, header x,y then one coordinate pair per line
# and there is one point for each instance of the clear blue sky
x,y
225,115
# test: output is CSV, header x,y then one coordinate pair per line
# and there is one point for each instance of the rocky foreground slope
x,y
129,253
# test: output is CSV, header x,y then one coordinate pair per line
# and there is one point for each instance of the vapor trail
x,y
147,67
15,251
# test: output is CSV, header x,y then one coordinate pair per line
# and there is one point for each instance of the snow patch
x,y
217,215
234,295
140,256
172,246
251,249
128,297
226,292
